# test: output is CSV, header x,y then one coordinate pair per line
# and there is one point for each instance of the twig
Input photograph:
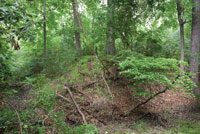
x,y
90,84
89,113
19,120
62,97
72,87
76,105
109,91
141,117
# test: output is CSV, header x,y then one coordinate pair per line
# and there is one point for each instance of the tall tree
x,y
195,42
77,27
44,26
180,11
110,44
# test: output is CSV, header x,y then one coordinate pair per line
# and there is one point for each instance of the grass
x,y
186,127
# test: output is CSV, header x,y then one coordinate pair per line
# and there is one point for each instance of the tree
x,y
195,42
44,26
110,44
180,12
77,27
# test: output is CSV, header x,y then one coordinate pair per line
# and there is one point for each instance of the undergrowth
x,y
145,71
138,69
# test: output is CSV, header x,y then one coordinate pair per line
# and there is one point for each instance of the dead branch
x,y
141,117
72,87
90,84
89,113
153,96
109,91
62,97
76,105
19,120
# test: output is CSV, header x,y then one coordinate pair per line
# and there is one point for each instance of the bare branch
x,y
76,105
153,96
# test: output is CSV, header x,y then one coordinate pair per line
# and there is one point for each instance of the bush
x,y
5,65
143,71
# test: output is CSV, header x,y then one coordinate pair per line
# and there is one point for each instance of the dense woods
x,y
99,66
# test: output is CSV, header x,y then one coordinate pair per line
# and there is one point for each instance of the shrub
x,y
143,71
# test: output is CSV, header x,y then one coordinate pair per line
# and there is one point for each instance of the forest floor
x,y
107,102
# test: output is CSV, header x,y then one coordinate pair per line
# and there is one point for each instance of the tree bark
x,y
110,44
195,41
180,11
44,26
77,27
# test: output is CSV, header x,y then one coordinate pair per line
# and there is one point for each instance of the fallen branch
x,y
90,84
19,120
141,117
109,91
76,105
71,87
62,97
89,113
153,96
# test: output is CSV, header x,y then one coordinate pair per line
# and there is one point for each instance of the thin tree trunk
x,y
182,44
77,27
180,11
195,42
44,26
110,44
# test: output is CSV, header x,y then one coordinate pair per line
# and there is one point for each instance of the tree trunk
x,y
180,11
44,26
182,44
195,42
110,44
77,27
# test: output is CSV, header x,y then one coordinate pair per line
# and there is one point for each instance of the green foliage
x,y
84,129
9,123
186,127
7,119
5,72
59,122
143,71
45,98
